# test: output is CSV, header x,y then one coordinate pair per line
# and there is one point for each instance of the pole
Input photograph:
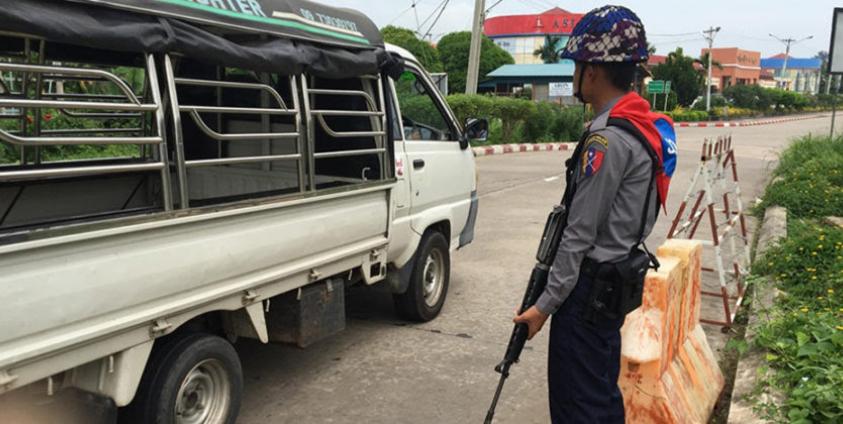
x,y
833,114
709,36
788,42
833,102
474,51
666,95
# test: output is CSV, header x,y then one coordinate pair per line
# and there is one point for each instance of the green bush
x,y
682,115
514,120
538,126
803,333
52,119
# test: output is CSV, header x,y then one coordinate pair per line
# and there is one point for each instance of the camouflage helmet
x,y
608,34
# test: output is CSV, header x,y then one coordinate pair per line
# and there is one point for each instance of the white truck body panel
x,y
104,284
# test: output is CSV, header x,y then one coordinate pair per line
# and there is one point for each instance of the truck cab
x,y
436,194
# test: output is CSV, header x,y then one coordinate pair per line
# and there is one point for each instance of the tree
x,y
685,80
549,52
703,61
651,49
453,49
422,50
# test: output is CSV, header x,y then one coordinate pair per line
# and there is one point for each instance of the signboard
x,y
656,87
667,88
560,89
835,51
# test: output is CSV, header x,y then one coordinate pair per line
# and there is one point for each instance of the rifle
x,y
556,222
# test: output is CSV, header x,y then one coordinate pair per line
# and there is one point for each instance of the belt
x,y
589,267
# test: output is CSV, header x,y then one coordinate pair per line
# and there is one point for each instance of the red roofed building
x,y
522,35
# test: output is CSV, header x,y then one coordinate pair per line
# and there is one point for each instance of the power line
x,y
416,11
684,34
444,5
663,42
398,16
426,20
493,6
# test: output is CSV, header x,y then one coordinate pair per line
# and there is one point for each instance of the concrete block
x,y
669,374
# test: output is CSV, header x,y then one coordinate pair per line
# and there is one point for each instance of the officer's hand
x,y
534,318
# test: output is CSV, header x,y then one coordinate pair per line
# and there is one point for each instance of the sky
x,y
744,23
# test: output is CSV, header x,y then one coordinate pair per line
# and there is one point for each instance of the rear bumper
x,y
467,235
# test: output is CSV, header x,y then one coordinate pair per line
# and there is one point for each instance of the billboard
x,y
835,51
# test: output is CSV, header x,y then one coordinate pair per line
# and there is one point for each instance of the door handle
x,y
418,164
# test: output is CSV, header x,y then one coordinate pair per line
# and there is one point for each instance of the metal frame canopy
x,y
299,19
289,37
835,50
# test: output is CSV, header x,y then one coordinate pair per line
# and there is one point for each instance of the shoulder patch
x,y
597,138
596,146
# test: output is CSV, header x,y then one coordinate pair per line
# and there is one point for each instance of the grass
x,y
803,332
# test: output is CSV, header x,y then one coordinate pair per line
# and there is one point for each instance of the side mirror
x,y
475,130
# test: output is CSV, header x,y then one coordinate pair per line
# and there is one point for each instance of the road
x,y
382,370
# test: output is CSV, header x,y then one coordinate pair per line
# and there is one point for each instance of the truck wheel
x,y
194,379
428,286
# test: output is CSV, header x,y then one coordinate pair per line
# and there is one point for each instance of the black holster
x,y
617,287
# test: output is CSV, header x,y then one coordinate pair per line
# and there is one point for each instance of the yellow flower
x,y
840,327
830,291
804,309
813,277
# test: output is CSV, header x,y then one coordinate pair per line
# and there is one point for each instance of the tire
x,y
180,375
429,280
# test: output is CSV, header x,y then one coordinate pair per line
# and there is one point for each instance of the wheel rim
x,y
204,394
433,277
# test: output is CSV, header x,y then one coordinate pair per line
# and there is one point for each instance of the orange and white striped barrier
x,y
669,374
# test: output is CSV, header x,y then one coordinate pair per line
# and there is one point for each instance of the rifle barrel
x,y
504,373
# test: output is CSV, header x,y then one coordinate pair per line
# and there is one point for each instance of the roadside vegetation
x,y
803,332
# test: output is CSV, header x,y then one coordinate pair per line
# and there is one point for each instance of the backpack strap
x,y
656,168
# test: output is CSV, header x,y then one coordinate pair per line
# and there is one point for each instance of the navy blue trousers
x,y
584,364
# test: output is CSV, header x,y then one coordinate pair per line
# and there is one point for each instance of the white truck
x,y
177,174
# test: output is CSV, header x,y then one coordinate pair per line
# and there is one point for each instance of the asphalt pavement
x,y
383,370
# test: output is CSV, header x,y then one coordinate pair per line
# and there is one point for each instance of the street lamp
x,y
788,42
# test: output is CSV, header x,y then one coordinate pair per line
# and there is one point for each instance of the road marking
x,y
551,179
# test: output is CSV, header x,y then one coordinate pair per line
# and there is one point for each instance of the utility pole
x,y
709,36
788,42
472,77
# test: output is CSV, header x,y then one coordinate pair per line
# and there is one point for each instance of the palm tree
x,y
703,61
651,49
549,52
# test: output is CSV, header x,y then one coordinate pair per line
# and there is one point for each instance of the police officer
x,y
613,187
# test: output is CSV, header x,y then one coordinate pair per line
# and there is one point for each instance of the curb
x,y
741,409
744,123
502,149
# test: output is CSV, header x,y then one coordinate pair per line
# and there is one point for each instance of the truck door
x,y
441,173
